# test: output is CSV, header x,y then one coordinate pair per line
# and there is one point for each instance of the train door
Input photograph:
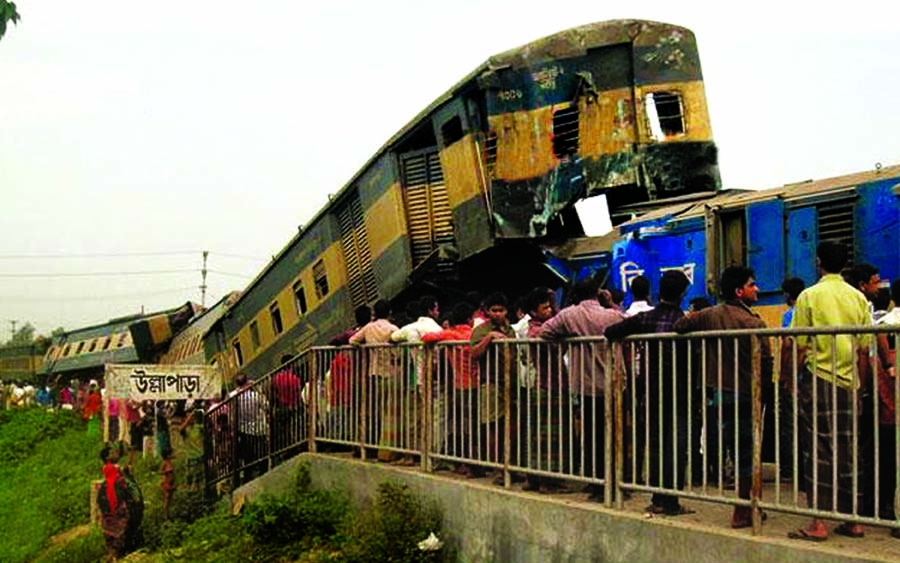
x,y
765,245
428,215
802,240
726,235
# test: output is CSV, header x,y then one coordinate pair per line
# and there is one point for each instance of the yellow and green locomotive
x,y
470,192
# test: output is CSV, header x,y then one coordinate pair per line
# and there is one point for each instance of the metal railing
x,y
677,416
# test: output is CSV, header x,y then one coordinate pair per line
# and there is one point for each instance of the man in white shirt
x,y
640,296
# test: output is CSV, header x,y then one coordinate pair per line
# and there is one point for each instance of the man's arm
x,y
359,337
627,327
401,334
554,328
480,347
687,323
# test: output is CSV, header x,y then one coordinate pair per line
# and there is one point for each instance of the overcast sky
x,y
133,135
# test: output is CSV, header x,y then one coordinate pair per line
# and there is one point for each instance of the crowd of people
x,y
696,390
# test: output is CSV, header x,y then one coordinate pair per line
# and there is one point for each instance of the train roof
x,y
563,44
200,325
143,339
795,193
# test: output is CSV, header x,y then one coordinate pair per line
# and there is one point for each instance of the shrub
x,y
305,517
392,529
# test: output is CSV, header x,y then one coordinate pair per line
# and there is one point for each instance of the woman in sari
x,y
113,500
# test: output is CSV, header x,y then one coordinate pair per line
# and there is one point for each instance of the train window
x,y
300,298
93,345
565,131
80,348
121,341
321,279
106,342
254,336
490,153
66,350
452,130
277,327
665,114
238,356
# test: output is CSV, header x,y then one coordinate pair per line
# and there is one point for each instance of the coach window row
x,y
320,281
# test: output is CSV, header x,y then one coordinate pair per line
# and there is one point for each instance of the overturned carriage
x,y
476,189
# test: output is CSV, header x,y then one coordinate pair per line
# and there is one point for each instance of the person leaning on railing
x,y
730,387
668,378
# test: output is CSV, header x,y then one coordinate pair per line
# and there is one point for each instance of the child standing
x,y
168,479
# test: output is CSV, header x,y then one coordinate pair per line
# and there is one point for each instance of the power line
x,y
103,297
95,255
96,274
128,255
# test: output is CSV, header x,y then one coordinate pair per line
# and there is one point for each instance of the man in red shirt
x,y
462,396
289,416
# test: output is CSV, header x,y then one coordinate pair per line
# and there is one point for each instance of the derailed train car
x,y
82,353
773,231
473,192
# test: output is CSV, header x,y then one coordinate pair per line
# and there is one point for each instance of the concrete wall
x,y
491,525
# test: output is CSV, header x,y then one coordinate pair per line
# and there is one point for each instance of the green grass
x,y
46,467
47,464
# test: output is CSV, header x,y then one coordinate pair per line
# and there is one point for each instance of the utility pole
x,y
13,333
203,283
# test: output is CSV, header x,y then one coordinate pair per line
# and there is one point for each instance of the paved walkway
x,y
877,545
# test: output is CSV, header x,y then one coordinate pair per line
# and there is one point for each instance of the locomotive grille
x,y
430,220
836,223
357,256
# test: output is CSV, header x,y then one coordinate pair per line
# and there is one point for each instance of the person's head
x,y
461,314
584,290
285,358
831,256
240,380
382,309
792,287
111,452
699,303
495,306
362,315
882,299
739,282
540,303
428,307
672,286
640,288
520,307
617,296
864,277
166,452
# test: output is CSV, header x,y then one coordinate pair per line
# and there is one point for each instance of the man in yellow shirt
x,y
827,391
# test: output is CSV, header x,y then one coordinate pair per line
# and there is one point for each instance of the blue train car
x,y
773,231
